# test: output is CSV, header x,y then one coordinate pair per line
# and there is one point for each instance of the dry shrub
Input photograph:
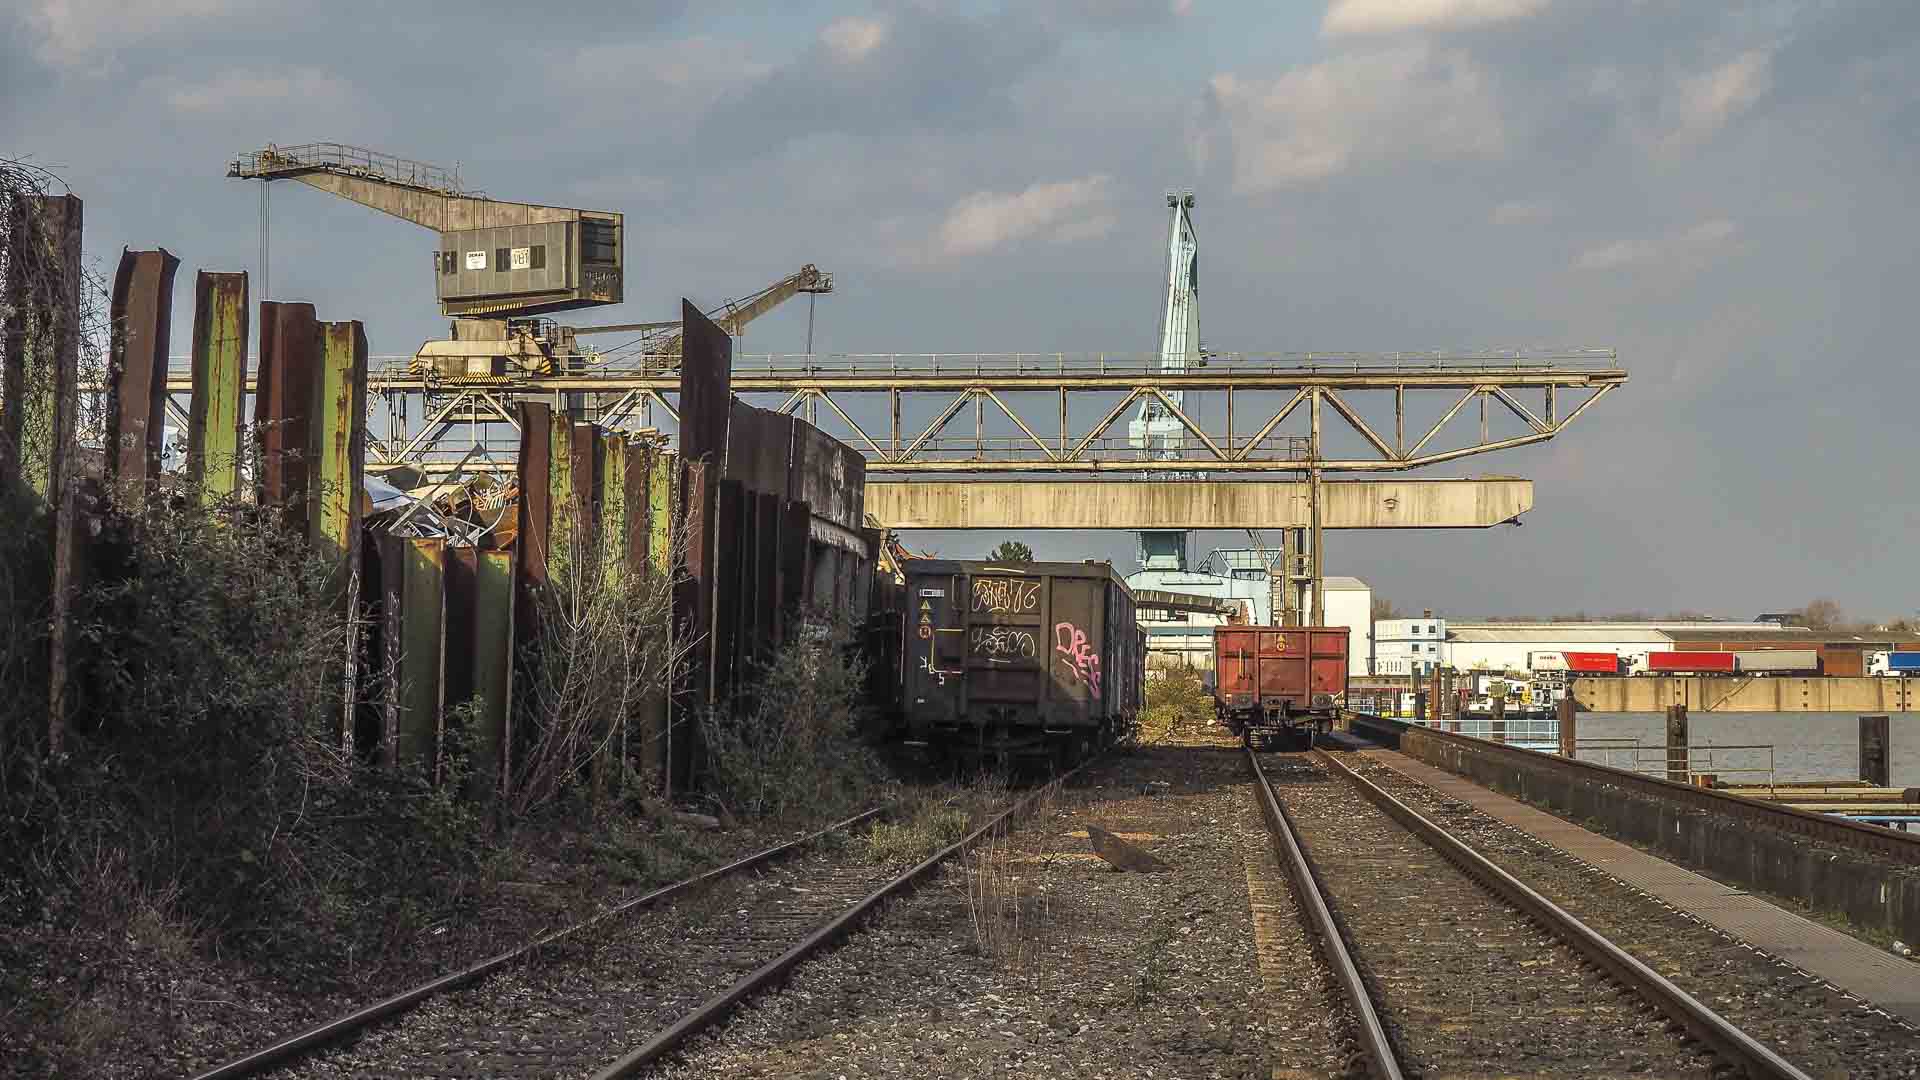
x,y
606,649
1177,704
1011,883
788,744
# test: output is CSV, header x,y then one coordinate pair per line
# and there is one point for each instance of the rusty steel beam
x,y
336,442
142,313
215,423
289,354
636,475
583,472
705,386
532,552
413,576
614,507
765,594
336,453
796,551
20,301
50,226
536,495
693,615
728,563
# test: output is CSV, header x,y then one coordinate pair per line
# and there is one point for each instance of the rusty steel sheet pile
x,y
757,518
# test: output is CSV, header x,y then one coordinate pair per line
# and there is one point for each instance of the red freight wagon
x,y
1593,663
1669,662
1279,681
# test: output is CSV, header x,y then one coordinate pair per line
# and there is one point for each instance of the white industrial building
x,y
1408,646
1187,639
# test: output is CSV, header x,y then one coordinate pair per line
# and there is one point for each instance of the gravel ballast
x,y
1820,1029
1107,974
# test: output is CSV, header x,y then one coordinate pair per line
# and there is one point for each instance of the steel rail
x,y
361,1019
1708,1027
1821,827
1384,1063
720,1006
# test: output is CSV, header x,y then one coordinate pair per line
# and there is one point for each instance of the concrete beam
x,y
1194,504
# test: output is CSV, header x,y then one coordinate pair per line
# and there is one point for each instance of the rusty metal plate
x,y
142,313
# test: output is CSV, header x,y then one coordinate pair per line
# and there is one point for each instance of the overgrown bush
x,y
207,750
1176,702
788,743
605,651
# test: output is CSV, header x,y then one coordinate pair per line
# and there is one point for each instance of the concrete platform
x,y
1870,973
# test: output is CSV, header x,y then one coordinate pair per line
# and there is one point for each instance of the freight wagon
x,y
1035,660
1279,683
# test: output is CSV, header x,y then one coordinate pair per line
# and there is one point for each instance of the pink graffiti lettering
x,y
1077,654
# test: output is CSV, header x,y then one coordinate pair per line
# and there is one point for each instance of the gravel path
x,y
1466,985
1085,971
1824,1032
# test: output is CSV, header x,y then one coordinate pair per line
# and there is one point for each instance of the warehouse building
x,y
1512,646
1841,653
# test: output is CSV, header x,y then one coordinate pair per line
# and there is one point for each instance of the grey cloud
x,y
1739,469
929,72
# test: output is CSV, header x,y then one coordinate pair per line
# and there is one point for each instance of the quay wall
x,y
1747,693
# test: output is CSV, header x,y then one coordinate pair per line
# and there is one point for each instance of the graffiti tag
x,y
926,665
1076,653
1001,644
1006,596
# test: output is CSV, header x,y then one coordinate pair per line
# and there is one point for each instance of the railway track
x,y
611,998
1451,966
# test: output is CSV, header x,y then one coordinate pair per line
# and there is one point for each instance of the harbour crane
x,y
659,346
501,267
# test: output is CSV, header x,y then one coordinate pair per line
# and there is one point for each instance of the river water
x,y
1795,746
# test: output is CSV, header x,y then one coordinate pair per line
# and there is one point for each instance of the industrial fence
x,y
471,604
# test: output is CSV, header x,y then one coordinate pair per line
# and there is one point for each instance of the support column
x,y
1497,712
1677,743
1569,739
1876,753
1318,570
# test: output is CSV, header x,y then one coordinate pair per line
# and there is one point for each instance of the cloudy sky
x,y
1723,192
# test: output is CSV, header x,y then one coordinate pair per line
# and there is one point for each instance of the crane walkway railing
x,y
353,160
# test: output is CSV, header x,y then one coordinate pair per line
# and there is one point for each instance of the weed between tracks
x,y
1011,879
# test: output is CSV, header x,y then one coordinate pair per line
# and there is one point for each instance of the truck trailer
x,y
1777,661
1894,664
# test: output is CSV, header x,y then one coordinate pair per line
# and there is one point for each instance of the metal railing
x,y
1707,760
1137,363
990,365
354,160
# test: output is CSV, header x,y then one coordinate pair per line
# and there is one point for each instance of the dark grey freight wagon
x,y
1019,659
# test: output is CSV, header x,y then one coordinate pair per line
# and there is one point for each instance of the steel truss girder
x,y
447,407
